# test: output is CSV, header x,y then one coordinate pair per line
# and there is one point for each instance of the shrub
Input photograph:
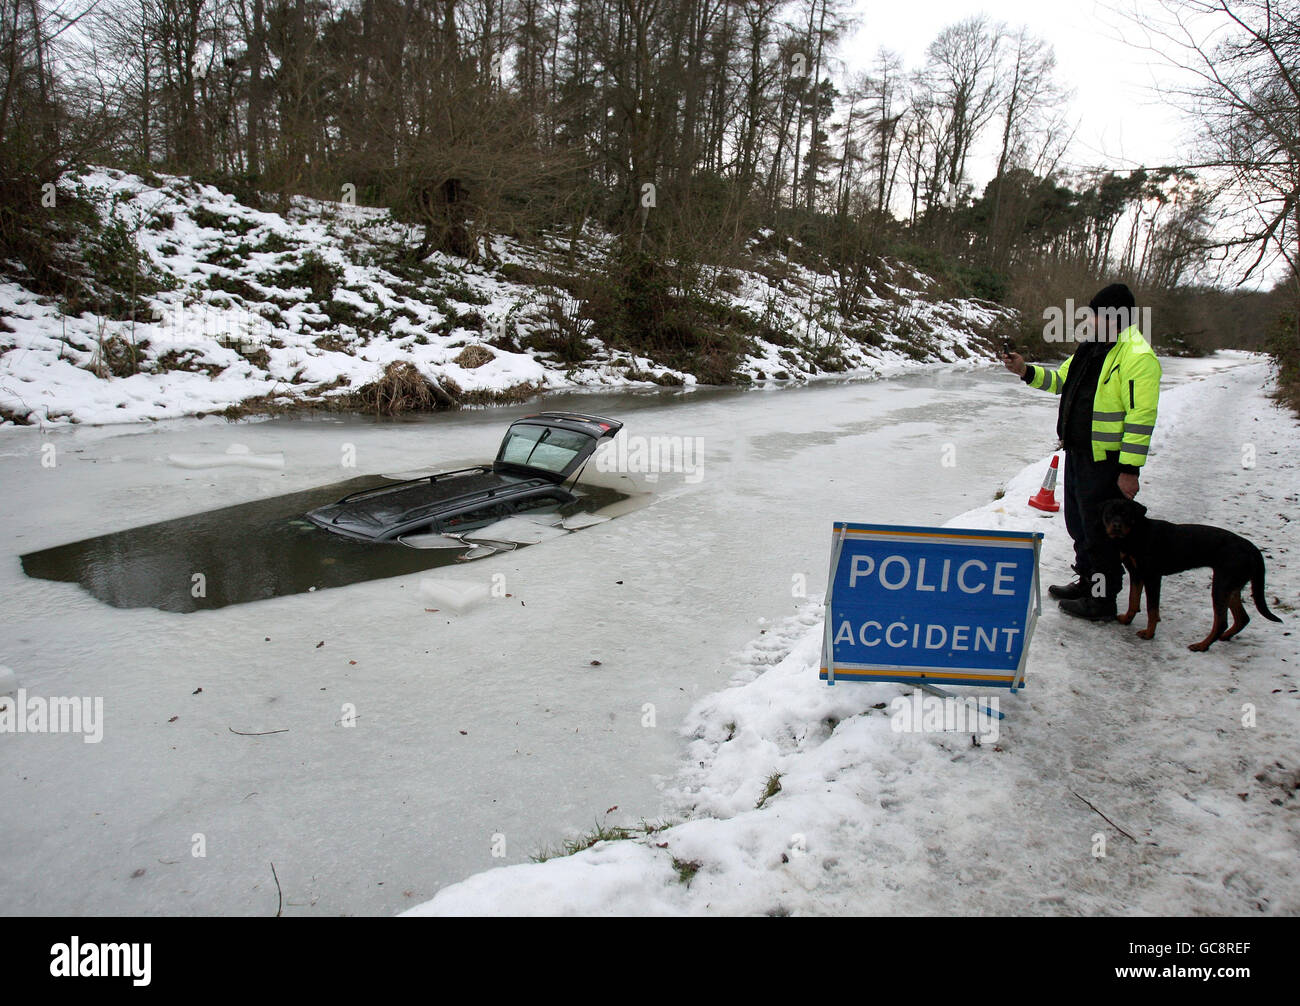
x,y
274,243
205,217
314,273
1285,349
242,186
563,330
235,285
120,273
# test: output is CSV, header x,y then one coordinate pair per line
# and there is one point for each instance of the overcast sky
x,y
1121,122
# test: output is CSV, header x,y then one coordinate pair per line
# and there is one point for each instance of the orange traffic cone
x,y
1045,498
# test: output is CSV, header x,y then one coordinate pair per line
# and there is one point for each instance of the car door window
x,y
547,503
472,520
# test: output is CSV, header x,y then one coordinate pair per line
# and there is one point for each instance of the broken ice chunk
x,y
577,521
451,595
480,550
432,541
236,455
515,530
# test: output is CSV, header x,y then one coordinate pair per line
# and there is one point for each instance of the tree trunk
x,y
255,97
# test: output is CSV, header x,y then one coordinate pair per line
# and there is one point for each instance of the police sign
x,y
930,606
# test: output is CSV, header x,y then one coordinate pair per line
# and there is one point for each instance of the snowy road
x,y
1129,778
487,729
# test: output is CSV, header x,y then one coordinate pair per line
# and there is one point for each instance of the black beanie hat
x,y
1115,296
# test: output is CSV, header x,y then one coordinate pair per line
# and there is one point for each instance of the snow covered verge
x,y
1129,777
277,310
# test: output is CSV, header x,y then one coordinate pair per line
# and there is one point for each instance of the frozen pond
x,y
246,552
492,728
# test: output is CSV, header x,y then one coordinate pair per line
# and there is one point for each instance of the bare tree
x,y
1030,98
1243,59
962,71
884,86
30,110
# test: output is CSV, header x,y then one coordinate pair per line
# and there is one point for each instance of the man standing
x,y
1109,389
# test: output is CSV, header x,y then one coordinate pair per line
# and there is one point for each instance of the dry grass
x,y
273,404
512,395
187,360
473,356
1288,387
403,388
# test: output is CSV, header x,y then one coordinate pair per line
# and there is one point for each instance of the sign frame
x,y
930,675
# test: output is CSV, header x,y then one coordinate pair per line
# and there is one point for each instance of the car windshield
x,y
545,447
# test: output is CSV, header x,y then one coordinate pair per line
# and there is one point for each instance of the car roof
x,y
382,512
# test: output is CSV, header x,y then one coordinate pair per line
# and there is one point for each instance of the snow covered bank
x,y
797,798
312,305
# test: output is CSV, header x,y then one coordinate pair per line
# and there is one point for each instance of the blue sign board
x,y
930,605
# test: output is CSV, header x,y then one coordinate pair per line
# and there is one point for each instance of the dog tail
x,y
1257,588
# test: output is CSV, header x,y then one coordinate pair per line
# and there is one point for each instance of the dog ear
x,y
1141,510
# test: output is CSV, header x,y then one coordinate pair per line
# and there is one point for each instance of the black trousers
x,y
1089,484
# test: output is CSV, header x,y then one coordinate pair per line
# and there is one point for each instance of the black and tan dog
x,y
1152,549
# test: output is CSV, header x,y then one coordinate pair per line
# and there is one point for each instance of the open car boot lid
x,y
553,445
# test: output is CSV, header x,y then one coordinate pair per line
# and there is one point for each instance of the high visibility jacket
x,y
1124,407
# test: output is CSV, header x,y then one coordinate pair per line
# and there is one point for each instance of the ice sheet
x,y
492,723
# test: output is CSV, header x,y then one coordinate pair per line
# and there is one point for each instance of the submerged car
x,y
538,456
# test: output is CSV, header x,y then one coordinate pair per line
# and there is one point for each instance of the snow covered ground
x,y
1193,758
315,303
493,732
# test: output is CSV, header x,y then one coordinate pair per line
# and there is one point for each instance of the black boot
x,y
1068,592
1095,609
